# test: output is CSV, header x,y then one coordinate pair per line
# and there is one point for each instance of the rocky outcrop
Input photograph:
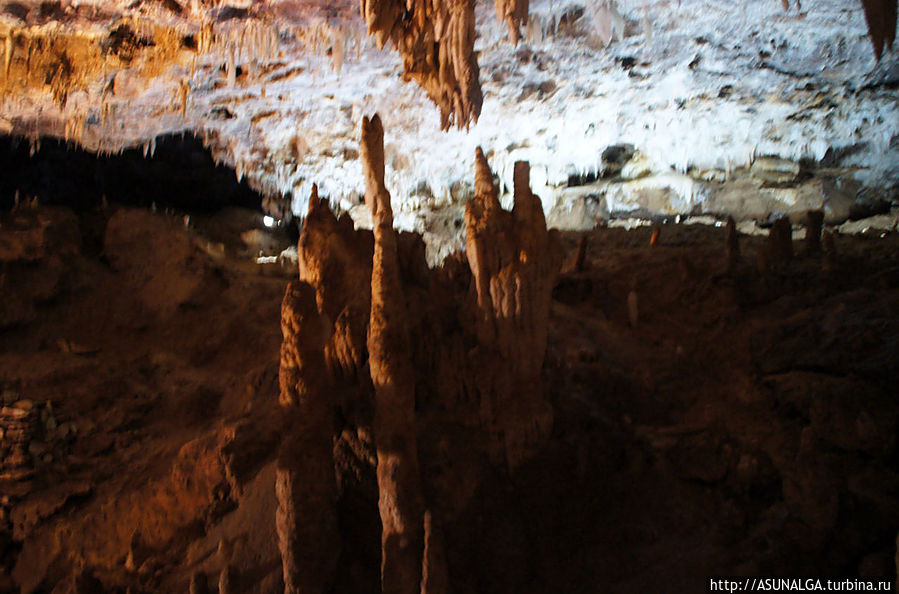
x,y
436,42
306,518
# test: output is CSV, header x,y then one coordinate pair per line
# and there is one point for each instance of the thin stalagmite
x,y
390,361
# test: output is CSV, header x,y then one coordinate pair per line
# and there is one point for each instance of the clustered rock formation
x,y
436,42
437,372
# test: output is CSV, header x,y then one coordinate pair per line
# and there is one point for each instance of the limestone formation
x,y
515,262
780,242
731,243
392,373
830,251
813,225
336,260
306,518
413,351
199,584
434,578
436,42
581,254
654,240
633,308
515,14
881,18
18,425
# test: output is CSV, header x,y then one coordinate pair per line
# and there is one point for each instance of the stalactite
x,y
515,14
338,48
881,18
390,362
183,93
437,47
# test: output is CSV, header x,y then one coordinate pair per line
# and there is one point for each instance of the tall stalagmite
x,y
306,518
390,361
436,41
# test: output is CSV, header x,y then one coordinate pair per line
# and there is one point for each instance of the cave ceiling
x,y
277,90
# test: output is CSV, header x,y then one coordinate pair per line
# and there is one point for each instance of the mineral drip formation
x,y
514,13
390,363
306,518
436,42
435,374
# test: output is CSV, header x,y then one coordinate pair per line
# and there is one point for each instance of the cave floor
x,y
745,425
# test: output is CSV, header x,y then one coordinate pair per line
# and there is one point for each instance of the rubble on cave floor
x,y
745,424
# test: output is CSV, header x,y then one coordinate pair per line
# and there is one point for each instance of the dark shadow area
x,y
181,174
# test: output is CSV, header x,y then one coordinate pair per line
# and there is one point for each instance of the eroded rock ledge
x,y
435,371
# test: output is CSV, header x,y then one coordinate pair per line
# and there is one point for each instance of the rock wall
x,y
438,371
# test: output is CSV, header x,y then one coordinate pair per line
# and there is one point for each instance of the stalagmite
x,y
434,578
581,254
198,584
731,243
414,351
780,242
654,240
8,45
390,361
515,262
226,580
633,309
515,14
830,251
306,518
813,225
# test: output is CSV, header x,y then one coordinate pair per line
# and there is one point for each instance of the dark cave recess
x,y
181,174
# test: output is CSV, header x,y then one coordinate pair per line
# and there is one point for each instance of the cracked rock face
x,y
700,90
